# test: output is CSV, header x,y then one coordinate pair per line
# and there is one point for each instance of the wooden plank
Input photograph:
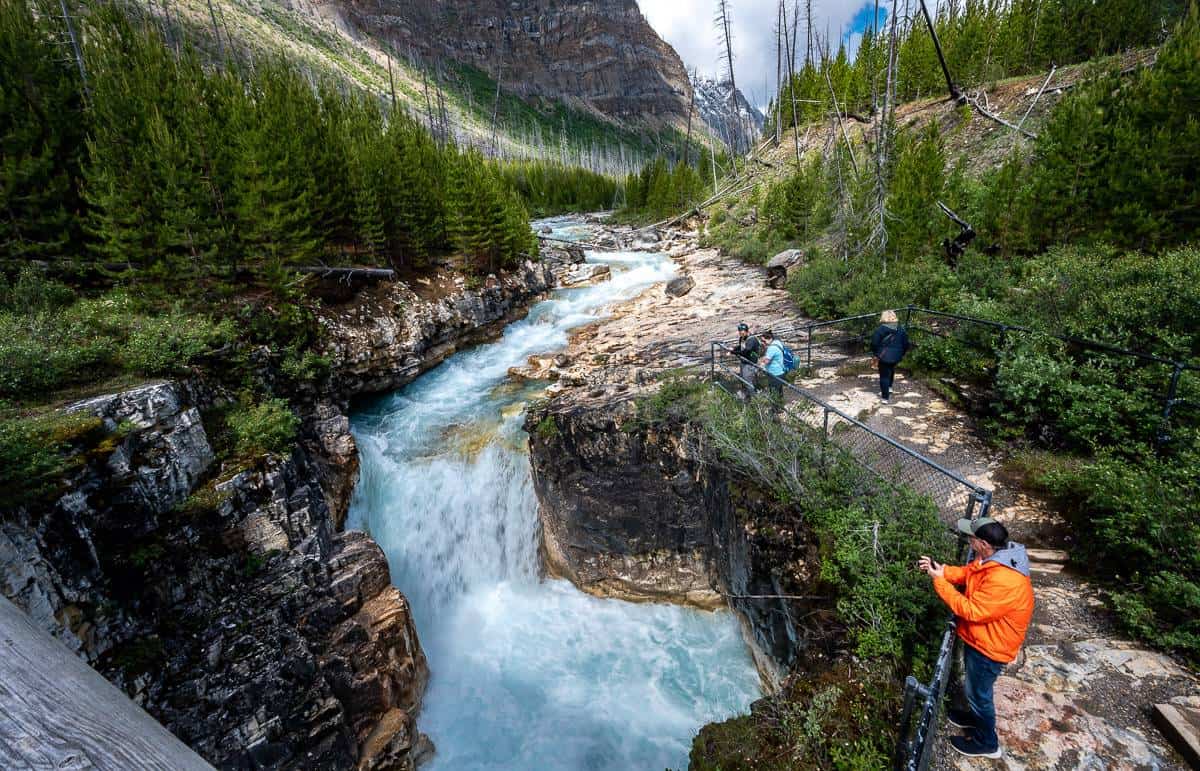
x,y
56,712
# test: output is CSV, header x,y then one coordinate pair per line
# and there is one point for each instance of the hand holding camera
x,y
928,566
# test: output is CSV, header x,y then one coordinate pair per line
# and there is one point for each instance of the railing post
x,y
908,315
809,330
712,361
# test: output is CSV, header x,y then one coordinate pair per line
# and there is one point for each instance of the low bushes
x,y
49,339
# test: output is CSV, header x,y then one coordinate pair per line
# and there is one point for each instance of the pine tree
x,y
42,126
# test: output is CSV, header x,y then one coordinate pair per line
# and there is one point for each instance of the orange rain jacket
x,y
995,609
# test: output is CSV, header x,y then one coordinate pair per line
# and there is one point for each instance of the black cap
x,y
743,327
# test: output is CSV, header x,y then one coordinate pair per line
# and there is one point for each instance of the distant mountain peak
x,y
714,105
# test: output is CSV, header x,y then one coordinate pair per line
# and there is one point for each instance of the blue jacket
x,y
889,344
772,360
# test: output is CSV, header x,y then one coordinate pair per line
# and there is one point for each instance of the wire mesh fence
x,y
954,496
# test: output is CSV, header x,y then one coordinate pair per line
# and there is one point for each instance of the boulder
x,y
786,259
586,275
777,267
678,287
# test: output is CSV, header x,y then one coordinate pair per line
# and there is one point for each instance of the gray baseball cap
x,y
971,526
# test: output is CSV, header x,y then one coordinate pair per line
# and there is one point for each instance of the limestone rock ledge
x,y
387,337
232,611
641,513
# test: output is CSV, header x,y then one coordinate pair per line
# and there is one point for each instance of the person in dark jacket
x,y
748,349
889,343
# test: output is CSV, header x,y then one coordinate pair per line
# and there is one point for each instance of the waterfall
x,y
527,673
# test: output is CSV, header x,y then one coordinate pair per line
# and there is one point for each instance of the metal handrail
x,y
914,742
829,408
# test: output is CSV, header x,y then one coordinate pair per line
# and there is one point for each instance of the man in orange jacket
x,y
993,613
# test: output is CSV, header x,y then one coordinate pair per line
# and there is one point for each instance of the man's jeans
x,y
981,673
749,374
887,373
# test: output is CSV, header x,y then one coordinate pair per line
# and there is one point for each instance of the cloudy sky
x,y
688,26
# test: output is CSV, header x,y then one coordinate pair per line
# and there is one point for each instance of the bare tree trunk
x,y
87,92
808,56
779,22
792,89
837,111
496,106
687,144
723,21
391,81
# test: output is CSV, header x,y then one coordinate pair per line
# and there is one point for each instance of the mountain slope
x,y
588,83
600,55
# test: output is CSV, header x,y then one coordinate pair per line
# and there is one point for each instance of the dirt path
x,y
1080,698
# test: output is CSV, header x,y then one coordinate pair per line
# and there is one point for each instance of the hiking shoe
x,y
960,718
969,746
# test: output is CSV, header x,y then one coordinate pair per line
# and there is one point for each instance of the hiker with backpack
x,y
889,343
777,360
747,349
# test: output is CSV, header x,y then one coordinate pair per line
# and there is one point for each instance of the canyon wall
x,y
640,511
219,592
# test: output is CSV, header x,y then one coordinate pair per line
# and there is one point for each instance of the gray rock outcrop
x,y
231,610
641,513
598,55
386,338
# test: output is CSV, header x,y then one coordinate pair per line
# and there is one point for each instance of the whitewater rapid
x,y
528,673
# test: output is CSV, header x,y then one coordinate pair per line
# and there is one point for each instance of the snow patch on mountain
x,y
716,108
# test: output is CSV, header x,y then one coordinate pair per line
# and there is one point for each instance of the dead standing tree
x,y
878,237
723,26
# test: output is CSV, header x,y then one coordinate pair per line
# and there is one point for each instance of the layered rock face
x,y
389,336
641,513
601,55
232,611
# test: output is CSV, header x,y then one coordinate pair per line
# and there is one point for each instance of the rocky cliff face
x,y
601,55
231,610
224,599
640,512
386,337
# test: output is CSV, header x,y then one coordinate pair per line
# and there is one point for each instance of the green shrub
x,y
267,427
1134,521
37,453
841,718
869,533
547,428
163,345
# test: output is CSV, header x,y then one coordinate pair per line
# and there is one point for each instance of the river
x,y
528,673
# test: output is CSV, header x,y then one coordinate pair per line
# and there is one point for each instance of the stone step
x,y
1181,725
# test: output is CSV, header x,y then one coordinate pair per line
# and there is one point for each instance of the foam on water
x,y
527,673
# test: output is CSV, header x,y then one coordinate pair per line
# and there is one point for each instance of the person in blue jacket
x,y
772,362
889,343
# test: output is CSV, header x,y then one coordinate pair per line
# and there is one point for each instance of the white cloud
x,y
688,26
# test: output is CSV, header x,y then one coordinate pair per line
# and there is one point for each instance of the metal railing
x,y
828,342
991,336
954,496
883,456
